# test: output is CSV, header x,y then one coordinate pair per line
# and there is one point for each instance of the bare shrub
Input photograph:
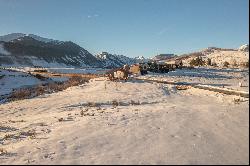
x,y
60,119
182,87
214,64
91,104
237,100
245,64
82,113
225,64
209,62
8,136
234,63
15,121
25,93
20,94
115,103
132,102
39,90
29,133
55,87
197,62
3,151
40,77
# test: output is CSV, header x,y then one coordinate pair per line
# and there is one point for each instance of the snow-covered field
x,y
134,122
14,79
17,77
20,78
227,77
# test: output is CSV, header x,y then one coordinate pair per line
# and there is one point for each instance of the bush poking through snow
x,y
82,113
60,119
3,152
214,64
182,87
8,136
30,133
238,100
20,94
234,63
226,64
91,104
245,64
40,77
197,62
209,62
115,103
39,90
132,102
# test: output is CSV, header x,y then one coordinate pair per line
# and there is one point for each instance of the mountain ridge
x,y
32,50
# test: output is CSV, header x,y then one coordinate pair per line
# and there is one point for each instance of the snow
x,y
237,57
228,78
114,60
13,80
244,47
38,62
165,127
42,39
12,36
219,56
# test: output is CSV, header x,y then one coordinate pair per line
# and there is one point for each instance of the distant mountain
x,y
42,39
31,50
141,59
112,60
12,36
163,57
18,49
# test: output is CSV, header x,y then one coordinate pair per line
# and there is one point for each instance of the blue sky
x,y
132,27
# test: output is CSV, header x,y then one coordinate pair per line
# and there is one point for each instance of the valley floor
x,y
132,122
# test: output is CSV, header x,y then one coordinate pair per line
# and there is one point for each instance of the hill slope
x,y
33,50
18,49
219,56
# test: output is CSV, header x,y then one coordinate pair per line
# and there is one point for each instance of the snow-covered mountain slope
x,y
38,51
163,57
244,47
141,59
18,49
42,39
2,50
218,56
112,60
235,58
12,36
